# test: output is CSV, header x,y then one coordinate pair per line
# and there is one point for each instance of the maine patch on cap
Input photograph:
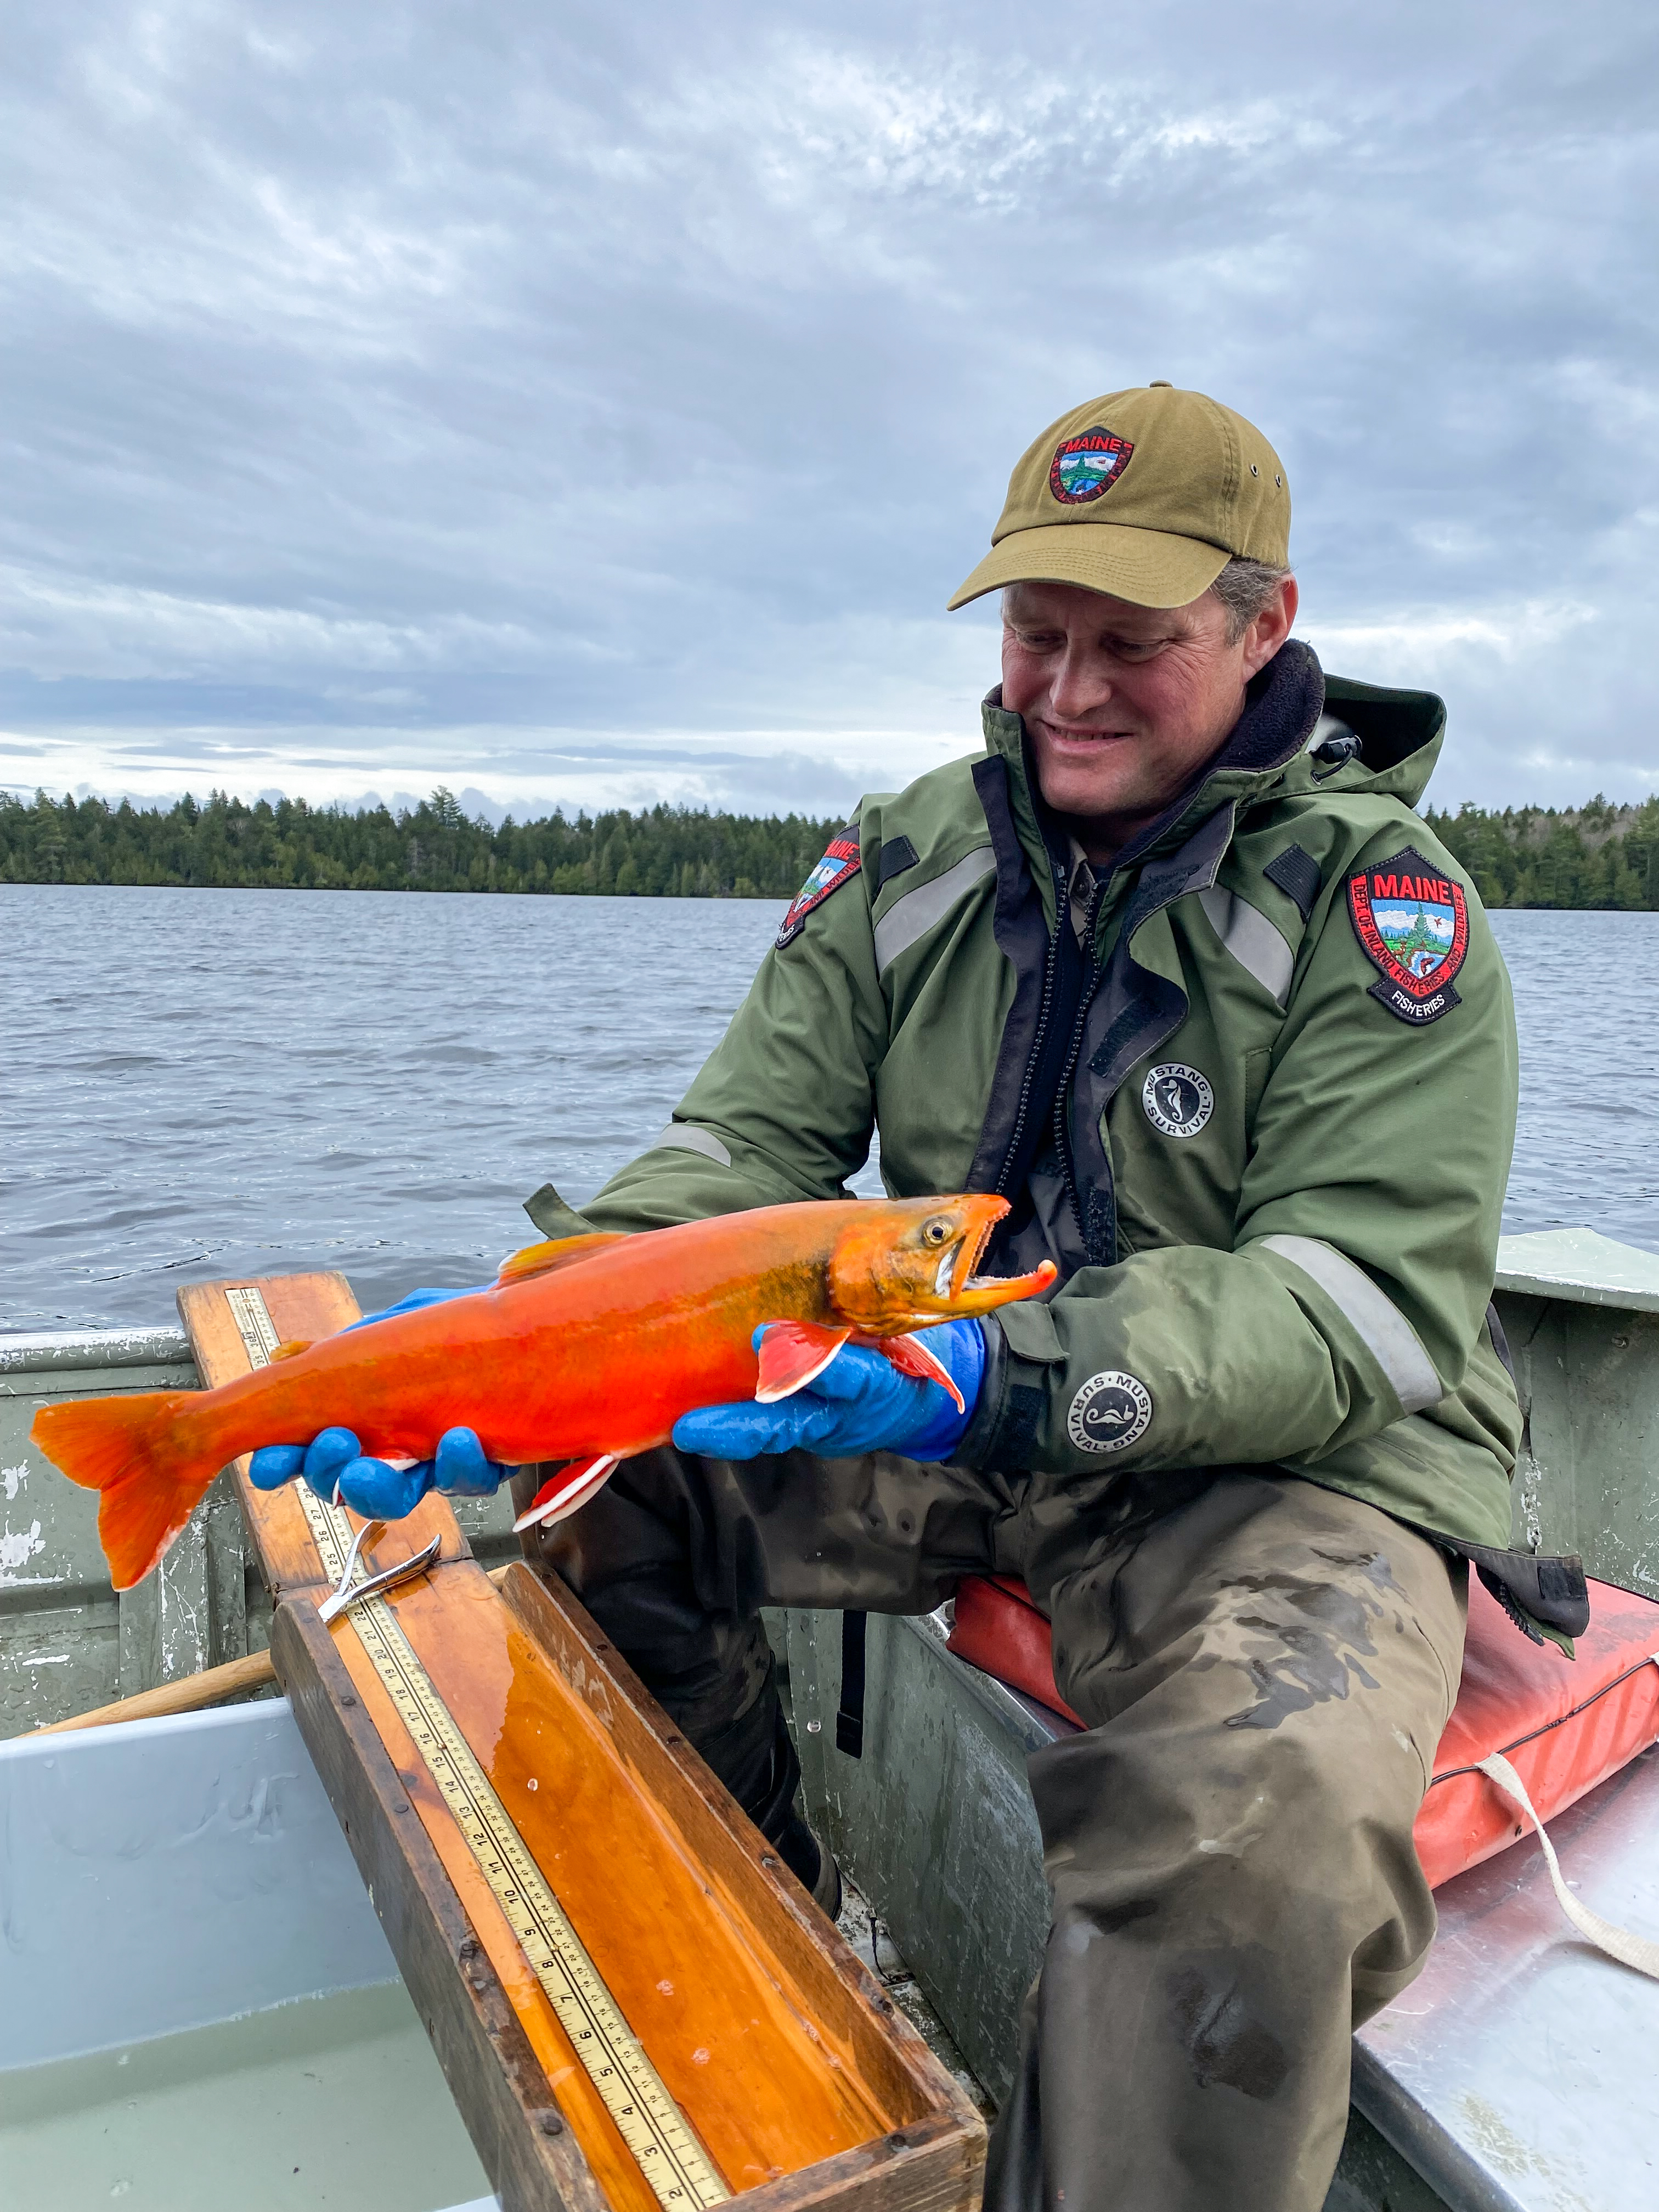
x,y
1087,465
1413,922
839,865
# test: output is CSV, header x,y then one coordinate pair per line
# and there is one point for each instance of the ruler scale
x,y
651,2123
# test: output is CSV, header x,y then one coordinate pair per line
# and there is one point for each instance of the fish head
x,y
906,1263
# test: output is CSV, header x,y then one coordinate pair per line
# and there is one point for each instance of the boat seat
x,y
1515,2074
1566,1726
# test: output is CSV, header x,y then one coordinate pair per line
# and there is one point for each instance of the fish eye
x,y
935,1232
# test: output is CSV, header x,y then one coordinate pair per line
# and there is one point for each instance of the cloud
x,y
558,401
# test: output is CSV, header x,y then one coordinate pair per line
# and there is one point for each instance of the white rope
x,y
1639,1951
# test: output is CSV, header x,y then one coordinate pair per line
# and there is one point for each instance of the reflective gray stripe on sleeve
x,y
686,1137
915,914
1251,938
1387,1335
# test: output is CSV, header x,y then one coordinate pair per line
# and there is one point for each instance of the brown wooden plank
x,y
612,2163
303,1307
930,2164
522,2138
835,1991
933,2165
805,2086
763,2086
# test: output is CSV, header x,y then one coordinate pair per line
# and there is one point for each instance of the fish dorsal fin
x,y
559,1252
292,1346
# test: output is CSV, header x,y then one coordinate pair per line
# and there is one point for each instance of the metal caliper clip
x,y
347,1593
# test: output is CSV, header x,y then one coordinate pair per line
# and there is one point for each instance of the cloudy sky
x,y
588,403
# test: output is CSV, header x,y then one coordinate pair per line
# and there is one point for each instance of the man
x,y
1174,967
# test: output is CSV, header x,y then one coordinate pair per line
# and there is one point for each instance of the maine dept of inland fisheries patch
x,y
1110,1412
838,866
1088,465
1413,924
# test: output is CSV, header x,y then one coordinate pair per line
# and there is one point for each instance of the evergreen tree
x,y
667,851
1598,856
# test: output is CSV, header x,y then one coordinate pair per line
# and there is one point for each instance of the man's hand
x,y
859,1403
373,1487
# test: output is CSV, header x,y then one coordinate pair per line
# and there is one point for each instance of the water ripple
x,y
202,1082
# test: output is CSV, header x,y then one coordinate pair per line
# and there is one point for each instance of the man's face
x,y
1125,704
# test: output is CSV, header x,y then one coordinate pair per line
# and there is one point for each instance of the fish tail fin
x,y
130,1450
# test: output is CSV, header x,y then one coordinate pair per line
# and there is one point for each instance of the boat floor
x,y
332,2100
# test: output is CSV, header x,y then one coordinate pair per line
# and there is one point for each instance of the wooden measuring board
x,y
633,2003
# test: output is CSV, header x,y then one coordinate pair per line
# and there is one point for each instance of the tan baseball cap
x,y
1146,494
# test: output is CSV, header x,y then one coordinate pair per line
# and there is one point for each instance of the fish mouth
x,y
955,1277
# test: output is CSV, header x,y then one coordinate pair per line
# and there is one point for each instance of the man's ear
x,y
1270,627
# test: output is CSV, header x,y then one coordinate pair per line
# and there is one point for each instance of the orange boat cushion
x,y
1565,1725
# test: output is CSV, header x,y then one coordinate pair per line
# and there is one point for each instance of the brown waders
x,y
1266,1667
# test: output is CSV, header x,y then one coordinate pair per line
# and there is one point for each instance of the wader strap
x,y
1500,1344
1639,1951
849,1716
772,1814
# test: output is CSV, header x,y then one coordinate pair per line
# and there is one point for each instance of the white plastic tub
x,y
196,2004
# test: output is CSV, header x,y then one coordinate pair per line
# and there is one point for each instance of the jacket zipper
x,y
1043,1012
1062,1139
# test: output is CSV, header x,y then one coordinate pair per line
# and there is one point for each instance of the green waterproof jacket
x,y
1261,1118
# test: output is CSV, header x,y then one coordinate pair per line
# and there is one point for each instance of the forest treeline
x,y
1598,856
667,852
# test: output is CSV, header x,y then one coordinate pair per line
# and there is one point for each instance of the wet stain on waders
x,y
1089,1927
1374,1566
1227,2048
1302,1662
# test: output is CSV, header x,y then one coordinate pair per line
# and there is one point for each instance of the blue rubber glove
x,y
859,1403
371,1487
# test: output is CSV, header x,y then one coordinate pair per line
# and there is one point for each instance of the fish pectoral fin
x,y
913,1359
565,1492
559,1252
292,1346
791,1353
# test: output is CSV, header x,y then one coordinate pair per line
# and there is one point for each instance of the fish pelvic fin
x,y
911,1357
567,1492
128,1449
558,1252
791,1353
292,1346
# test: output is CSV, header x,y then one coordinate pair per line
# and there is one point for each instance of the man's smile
x,y
1058,734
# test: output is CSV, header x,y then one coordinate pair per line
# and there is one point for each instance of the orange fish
x,y
588,1349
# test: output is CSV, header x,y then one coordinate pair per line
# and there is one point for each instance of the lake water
x,y
195,1083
